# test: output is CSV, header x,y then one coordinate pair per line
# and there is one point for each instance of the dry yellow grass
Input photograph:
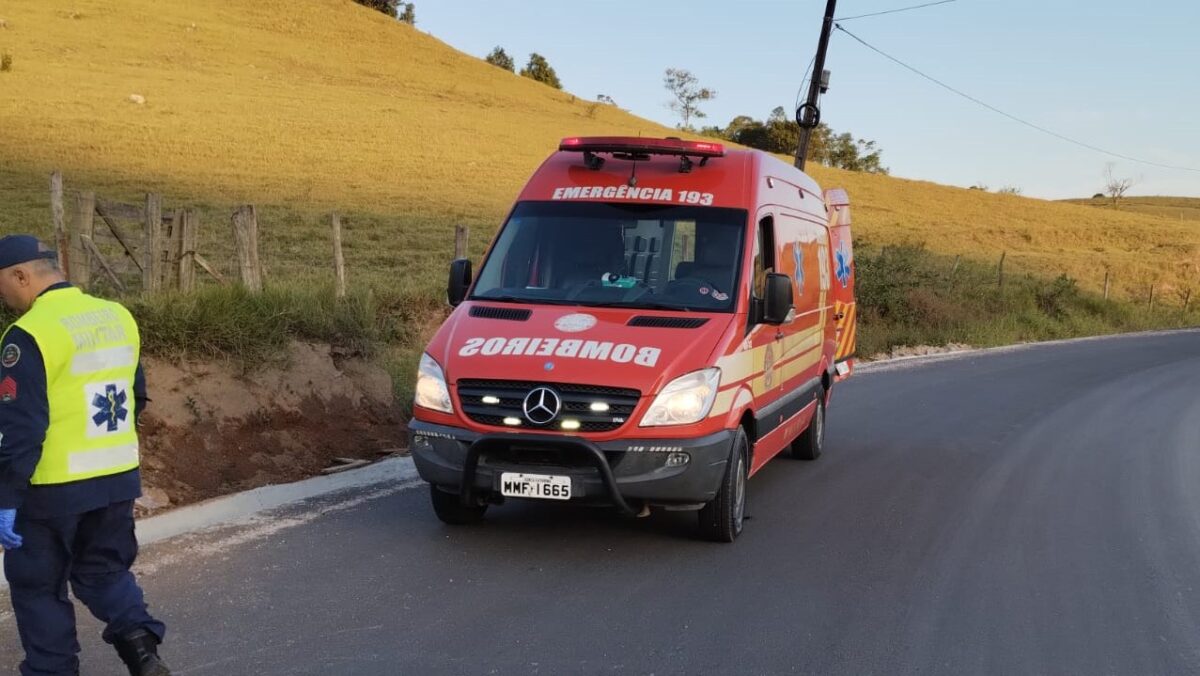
x,y
1170,208
307,106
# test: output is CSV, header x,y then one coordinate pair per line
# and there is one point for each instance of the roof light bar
x,y
645,146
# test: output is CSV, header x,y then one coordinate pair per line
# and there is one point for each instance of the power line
x,y
800,91
1014,118
893,11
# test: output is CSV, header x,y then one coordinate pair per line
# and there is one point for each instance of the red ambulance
x,y
656,320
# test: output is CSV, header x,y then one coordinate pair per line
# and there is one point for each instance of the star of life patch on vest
x,y
108,409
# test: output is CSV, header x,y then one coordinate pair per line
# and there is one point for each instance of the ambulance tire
x,y
721,519
450,509
811,442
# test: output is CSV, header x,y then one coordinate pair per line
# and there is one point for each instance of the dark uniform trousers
x,y
93,551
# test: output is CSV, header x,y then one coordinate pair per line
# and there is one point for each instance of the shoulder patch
x,y
8,390
10,356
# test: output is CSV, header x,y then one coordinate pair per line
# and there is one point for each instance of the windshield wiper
x,y
641,305
518,299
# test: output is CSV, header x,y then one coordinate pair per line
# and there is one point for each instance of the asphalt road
x,y
1025,512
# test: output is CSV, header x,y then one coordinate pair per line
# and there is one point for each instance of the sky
x,y
1123,76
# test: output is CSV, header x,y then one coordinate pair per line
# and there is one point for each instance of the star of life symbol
x,y
798,256
110,408
843,265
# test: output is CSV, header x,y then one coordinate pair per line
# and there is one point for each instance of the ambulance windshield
x,y
617,255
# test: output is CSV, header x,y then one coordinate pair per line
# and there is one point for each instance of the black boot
x,y
139,652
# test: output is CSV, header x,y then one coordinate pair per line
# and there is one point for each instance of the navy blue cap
x,y
17,249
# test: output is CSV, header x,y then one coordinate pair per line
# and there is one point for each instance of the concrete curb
x,y
238,507
241,507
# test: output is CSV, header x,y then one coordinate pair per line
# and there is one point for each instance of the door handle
x,y
840,315
779,335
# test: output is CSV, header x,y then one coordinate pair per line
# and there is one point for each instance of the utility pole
x,y
808,116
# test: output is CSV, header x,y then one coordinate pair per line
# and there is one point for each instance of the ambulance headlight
x,y
432,392
685,400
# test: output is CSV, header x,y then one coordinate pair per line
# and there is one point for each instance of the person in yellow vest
x,y
71,387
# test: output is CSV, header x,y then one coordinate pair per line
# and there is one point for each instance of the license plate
x,y
544,486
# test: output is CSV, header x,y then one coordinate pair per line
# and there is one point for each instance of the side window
x,y
764,256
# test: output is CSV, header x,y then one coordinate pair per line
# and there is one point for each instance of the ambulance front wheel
x,y
450,509
721,519
811,442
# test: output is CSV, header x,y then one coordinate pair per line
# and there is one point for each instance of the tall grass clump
x,y
230,322
909,296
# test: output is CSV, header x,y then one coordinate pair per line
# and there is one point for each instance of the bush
x,y
539,69
1053,298
5,62
500,58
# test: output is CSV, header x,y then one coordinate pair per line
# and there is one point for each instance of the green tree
x,y
500,58
780,134
539,69
687,95
409,14
388,7
783,134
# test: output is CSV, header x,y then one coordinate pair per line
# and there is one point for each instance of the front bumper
x,y
615,472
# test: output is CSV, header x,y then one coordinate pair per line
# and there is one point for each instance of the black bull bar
x,y
584,447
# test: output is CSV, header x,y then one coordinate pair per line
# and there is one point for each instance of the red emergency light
x,y
642,146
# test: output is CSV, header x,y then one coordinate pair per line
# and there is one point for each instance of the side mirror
x,y
777,307
460,281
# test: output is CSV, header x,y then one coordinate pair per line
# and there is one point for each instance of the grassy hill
x,y
303,107
1169,208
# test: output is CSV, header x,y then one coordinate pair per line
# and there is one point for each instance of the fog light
x,y
512,422
678,459
491,400
570,424
599,407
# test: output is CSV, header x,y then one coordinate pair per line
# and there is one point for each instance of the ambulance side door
x,y
764,341
804,255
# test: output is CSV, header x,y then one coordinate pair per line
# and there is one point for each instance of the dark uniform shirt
x,y
24,418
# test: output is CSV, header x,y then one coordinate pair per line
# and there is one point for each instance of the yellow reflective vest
x,y
90,348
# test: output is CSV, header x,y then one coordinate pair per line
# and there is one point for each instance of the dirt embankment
x,y
211,429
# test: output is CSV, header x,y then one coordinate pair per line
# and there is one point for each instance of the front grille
x,y
576,404
660,322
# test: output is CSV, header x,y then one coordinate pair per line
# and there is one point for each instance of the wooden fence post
x,y
461,233
187,250
1151,297
61,240
173,251
1001,279
245,235
1187,299
339,262
152,245
85,226
1106,281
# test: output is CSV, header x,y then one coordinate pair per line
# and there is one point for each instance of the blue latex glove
x,y
8,538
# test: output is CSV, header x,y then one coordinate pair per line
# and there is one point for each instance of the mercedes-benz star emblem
x,y
542,406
